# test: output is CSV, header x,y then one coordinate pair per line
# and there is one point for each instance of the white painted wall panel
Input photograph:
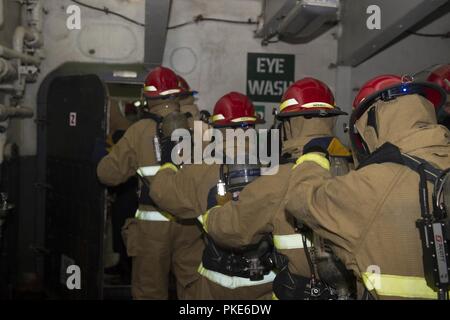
x,y
213,56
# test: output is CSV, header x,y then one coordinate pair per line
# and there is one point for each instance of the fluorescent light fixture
x,y
125,74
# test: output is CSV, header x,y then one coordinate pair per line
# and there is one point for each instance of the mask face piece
x,y
240,175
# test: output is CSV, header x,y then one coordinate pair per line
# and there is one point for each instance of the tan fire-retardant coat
x,y
157,247
185,195
369,215
260,209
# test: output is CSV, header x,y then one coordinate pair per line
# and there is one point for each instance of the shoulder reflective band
x,y
288,242
233,282
398,286
169,166
313,157
204,218
148,171
154,216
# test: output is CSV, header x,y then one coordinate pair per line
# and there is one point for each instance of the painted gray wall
x,y
212,56
409,56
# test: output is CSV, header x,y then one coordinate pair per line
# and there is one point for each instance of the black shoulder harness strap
x,y
434,224
153,116
391,153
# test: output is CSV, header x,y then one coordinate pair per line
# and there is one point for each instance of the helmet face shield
x,y
238,176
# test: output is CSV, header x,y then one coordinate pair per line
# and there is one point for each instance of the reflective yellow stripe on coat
x,y
288,242
233,282
204,218
153,216
317,158
150,171
398,286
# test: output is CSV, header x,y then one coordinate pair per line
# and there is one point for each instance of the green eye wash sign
x,y
269,76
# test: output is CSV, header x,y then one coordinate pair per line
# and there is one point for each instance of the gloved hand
x,y
100,150
318,145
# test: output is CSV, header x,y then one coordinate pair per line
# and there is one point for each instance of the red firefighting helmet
x,y
386,88
162,83
309,97
182,83
440,77
234,109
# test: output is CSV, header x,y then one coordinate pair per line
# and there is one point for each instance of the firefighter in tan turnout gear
x,y
381,220
156,242
187,103
307,112
189,191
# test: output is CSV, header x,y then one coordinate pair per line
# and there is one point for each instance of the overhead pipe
x,y
7,70
36,22
31,36
15,112
2,12
13,54
22,34
37,15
